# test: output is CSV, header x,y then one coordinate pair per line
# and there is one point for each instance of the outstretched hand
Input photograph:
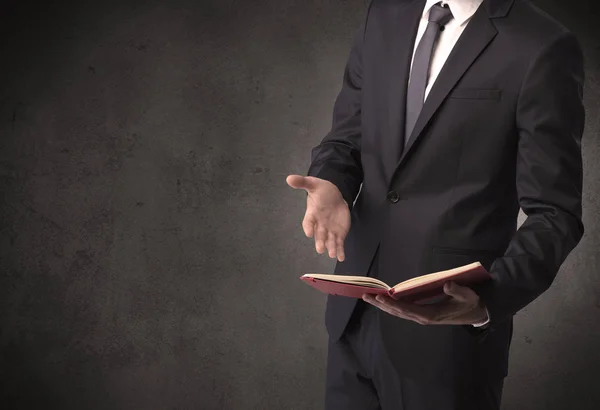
x,y
463,308
327,216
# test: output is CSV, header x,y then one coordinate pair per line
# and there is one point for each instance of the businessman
x,y
451,117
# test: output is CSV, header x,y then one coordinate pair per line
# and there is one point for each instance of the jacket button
x,y
393,196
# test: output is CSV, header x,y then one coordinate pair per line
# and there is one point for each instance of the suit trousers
x,y
360,376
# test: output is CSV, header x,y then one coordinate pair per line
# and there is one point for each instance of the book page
x,y
432,277
350,280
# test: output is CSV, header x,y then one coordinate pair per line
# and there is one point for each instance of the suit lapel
x,y
477,35
398,38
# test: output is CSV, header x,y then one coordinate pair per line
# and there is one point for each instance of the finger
x,y
393,307
340,248
383,302
308,225
418,318
378,304
372,299
470,317
428,314
445,313
399,311
300,182
460,293
331,245
413,308
459,319
367,297
405,315
446,317
320,238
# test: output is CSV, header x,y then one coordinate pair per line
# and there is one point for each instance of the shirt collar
x,y
462,10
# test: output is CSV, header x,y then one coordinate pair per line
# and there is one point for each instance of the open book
x,y
424,289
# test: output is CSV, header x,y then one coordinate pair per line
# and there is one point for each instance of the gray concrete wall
x,y
150,249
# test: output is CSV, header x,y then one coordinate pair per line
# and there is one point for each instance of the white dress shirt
x,y
462,11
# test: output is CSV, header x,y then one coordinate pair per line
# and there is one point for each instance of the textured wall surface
x,y
149,246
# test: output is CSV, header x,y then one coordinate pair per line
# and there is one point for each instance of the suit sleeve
x,y
337,158
550,119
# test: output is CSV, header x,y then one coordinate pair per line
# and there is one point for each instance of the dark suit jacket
x,y
501,129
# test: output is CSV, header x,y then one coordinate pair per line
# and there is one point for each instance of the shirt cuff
x,y
481,324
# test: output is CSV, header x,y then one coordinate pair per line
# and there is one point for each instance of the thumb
x,y
457,292
300,182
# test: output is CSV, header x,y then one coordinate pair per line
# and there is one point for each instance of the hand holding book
x,y
462,307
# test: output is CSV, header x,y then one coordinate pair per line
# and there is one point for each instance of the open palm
x,y
327,216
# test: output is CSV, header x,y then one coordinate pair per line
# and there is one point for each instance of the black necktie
x,y
415,96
